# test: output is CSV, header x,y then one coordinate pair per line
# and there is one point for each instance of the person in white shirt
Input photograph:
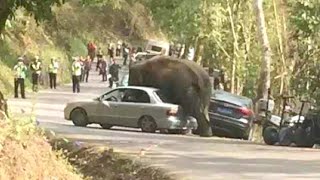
x,y
53,70
76,75
191,53
36,67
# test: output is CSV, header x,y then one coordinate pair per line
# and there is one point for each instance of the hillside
x,y
68,32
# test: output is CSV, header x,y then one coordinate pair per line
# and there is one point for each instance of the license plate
x,y
224,110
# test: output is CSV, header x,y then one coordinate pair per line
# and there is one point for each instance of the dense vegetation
x,y
63,31
225,35
227,30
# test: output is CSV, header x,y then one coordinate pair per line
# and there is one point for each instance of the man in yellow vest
x,y
53,70
20,70
76,75
36,71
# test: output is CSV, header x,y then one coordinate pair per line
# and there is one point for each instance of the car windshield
x,y
161,96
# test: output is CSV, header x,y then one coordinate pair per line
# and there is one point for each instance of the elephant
x,y
182,82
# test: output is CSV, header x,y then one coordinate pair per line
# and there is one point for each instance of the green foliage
x,y
100,3
40,9
306,16
78,47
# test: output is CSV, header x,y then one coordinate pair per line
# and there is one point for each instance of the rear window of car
x,y
161,96
156,48
232,99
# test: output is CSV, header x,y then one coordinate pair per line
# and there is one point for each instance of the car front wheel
x,y
148,124
79,117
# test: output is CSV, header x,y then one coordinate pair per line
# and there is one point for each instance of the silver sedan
x,y
130,106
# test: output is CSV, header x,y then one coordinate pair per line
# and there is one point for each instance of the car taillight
x,y
245,111
172,112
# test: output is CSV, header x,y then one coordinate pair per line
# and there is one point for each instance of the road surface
x,y
187,157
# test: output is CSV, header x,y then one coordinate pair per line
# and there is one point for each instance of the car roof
x,y
139,87
231,98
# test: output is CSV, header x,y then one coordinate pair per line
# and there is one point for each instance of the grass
x,y
25,153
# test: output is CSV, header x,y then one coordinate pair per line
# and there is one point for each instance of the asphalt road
x,y
187,157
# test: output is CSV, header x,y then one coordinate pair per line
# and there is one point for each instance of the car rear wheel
x,y
79,117
106,126
147,124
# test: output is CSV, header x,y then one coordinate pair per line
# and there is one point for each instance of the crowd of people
x,y
36,67
80,68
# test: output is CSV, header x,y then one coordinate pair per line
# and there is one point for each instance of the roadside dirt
x,y
26,155
101,163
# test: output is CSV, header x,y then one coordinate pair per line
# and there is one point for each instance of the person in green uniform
x,y
36,71
53,70
20,70
76,74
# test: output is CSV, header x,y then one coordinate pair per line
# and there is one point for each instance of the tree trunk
x,y
4,14
235,50
264,80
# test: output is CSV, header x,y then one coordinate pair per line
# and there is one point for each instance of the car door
x,y
107,109
133,106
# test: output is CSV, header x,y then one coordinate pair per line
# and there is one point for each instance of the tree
x,y
264,80
40,9
265,67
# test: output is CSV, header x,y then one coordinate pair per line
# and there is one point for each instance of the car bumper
x,y
230,126
67,112
178,123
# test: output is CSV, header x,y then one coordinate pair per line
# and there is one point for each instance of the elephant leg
x,y
204,126
196,108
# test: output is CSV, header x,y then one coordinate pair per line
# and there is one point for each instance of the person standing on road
x,y
87,68
114,72
91,47
104,69
53,71
125,54
82,68
118,50
20,70
36,71
111,51
99,57
76,74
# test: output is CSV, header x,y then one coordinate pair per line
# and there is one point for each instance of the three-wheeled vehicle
x,y
302,130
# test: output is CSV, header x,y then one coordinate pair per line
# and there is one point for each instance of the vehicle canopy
x,y
158,47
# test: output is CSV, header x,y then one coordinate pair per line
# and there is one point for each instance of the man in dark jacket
x,y
104,68
114,72
111,51
87,68
99,57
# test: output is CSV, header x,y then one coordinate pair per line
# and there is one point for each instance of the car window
x,y
114,96
162,97
135,96
156,48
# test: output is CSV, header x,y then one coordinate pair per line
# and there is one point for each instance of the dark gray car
x,y
231,115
